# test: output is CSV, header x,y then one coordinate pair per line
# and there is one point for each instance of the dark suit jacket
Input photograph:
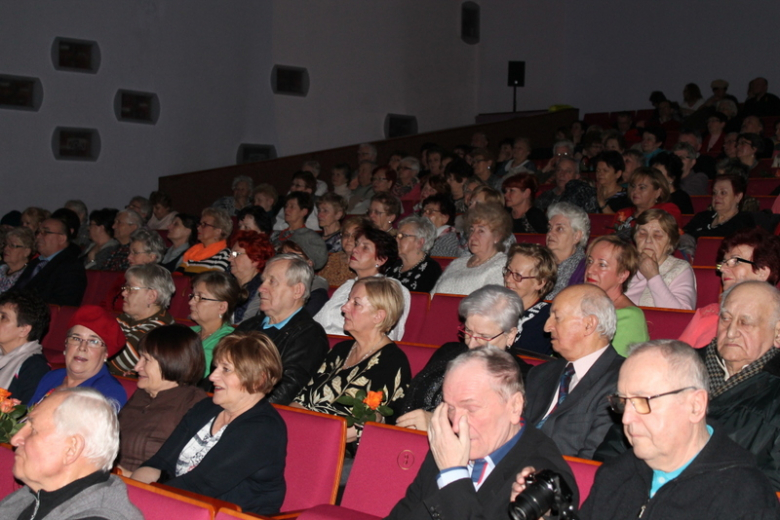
x,y
60,282
459,500
580,423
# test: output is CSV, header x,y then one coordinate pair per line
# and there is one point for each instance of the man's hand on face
x,y
449,449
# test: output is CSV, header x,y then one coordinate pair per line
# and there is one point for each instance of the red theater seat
x,y
443,261
161,504
600,224
180,301
708,286
7,482
54,341
666,323
416,321
442,322
99,284
417,354
707,252
531,238
130,384
584,473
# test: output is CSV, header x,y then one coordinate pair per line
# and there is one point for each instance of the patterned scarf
x,y
716,368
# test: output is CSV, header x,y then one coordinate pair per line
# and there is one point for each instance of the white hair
x,y
425,230
598,304
92,416
243,178
578,219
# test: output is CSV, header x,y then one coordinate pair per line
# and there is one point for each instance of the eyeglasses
x,y
203,224
76,341
198,298
236,254
401,236
517,277
732,262
42,231
348,235
130,288
640,403
14,246
468,334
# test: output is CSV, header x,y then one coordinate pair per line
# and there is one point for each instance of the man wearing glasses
x,y
56,275
679,467
567,397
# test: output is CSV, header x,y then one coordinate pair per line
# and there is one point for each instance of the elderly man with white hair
x,y
64,454
679,467
567,398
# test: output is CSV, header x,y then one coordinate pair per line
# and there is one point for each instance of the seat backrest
x,y
313,469
707,285
700,203
180,301
533,361
334,340
161,504
600,223
8,483
54,342
666,323
758,187
707,252
388,455
531,238
584,472
417,354
130,384
443,261
442,322
765,202
418,311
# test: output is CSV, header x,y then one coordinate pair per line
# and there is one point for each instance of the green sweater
x,y
211,342
631,328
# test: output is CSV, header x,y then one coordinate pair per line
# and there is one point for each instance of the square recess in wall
x,y
75,144
469,22
292,81
249,153
136,107
75,55
398,126
20,93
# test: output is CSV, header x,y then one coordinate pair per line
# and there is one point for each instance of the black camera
x,y
545,490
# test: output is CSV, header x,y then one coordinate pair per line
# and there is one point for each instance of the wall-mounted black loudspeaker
x,y
516,74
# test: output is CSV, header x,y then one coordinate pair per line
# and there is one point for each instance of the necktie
x,y
563,391
480,465
37,268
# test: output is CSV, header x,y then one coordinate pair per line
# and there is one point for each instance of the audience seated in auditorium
x,y
374,254
18,249
170,364
687,468
633,159
407,185
519,195
713,141
566,170
183,234
142,206
490,314
336,270
233,446
759,102
692,99
754,125
749,146
146,296
249,251
311,249
255,218
215,296
432,185
567,398
692,182
56,274
531,273
361,188
370,361
384,210
610,196
32,217
440,210
126,223
265,196
101,236
483,163
725,216
457,173
63,456
162,211
300,340
242,189
340,176
435,161
649,189
331,210
611,263
519,162
662,279
25,320
653,139
671,167
568,234
313,167
93,337
80,209
415,269
302,182
297,208
472,477
488,225
560,150
211,253
382,180
704,163
747,254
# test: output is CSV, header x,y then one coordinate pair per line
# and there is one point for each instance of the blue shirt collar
x,y
501,452
50,257
267,321
663,477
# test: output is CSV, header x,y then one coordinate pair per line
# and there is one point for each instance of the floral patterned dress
x,y
386,370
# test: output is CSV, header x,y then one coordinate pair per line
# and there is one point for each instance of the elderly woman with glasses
x,y
249,253
93,337
415,269
491,314
531,272
567,236
215,296
384,210
407,186
750,254
183,234
145,298
336,270
211,253
19,248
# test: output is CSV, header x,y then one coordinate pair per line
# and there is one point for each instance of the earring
x,y
376,265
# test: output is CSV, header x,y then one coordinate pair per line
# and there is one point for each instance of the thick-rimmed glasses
x,y
517,277
640,403
469,334
76,341
732,262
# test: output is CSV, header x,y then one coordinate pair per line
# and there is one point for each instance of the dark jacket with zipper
x,y
721,482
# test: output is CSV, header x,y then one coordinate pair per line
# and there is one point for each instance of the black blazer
x,y
581,422
424,500
60,282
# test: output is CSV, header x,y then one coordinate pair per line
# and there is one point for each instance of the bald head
x,y
582,321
